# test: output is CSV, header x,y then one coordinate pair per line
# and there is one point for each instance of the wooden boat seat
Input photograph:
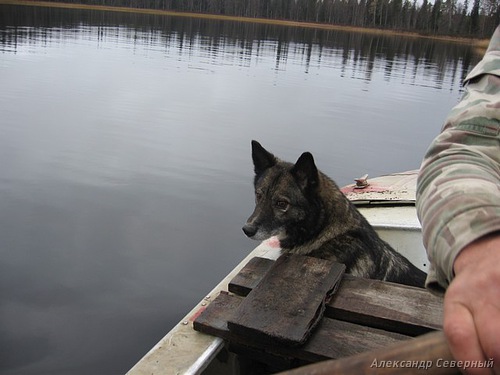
x,y
298,310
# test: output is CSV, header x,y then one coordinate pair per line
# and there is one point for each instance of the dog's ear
x,y
262,159
305,172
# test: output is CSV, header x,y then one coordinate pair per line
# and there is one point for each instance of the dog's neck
x,y
336,209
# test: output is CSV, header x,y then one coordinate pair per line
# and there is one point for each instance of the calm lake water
x,y
125,172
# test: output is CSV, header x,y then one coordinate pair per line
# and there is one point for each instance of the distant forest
x,y
443,17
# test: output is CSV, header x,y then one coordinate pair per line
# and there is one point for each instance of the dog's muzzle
x,y
249,230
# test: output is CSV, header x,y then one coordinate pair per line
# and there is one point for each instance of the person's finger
x,y
460,331
487,324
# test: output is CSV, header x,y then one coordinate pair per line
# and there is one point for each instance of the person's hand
x,y
472,306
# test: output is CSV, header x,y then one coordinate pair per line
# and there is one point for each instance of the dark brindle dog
x,y
309,215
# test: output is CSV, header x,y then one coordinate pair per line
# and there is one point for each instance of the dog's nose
x,y
249,230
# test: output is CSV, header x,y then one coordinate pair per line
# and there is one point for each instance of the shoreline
x,y
479,44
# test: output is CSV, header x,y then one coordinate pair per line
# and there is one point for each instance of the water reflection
x,y
233,43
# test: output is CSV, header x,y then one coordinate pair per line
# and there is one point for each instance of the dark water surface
x,y
125,171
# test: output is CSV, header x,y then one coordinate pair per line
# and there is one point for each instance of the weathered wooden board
x,y
289,301
394,307
250,275
332,339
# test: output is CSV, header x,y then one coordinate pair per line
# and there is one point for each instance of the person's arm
x,y
458,203
458,191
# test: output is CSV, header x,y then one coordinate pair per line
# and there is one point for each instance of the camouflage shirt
x,y
458,188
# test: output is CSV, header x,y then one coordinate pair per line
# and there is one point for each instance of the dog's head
x,y
284,196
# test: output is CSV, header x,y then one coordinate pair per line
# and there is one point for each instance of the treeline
x,y
442,17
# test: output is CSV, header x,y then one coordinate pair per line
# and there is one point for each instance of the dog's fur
x,y
311,216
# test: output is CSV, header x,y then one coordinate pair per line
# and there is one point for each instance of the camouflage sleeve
x,y
458,188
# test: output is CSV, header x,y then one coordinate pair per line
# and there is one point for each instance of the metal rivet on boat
x,y
207,298
203,303
185,322
361,182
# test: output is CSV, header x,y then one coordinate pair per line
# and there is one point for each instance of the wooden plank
x,y
394,307
400,308
430,349
250,275
289,301
333,338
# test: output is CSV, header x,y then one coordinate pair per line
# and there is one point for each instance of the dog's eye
x,y
282,205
